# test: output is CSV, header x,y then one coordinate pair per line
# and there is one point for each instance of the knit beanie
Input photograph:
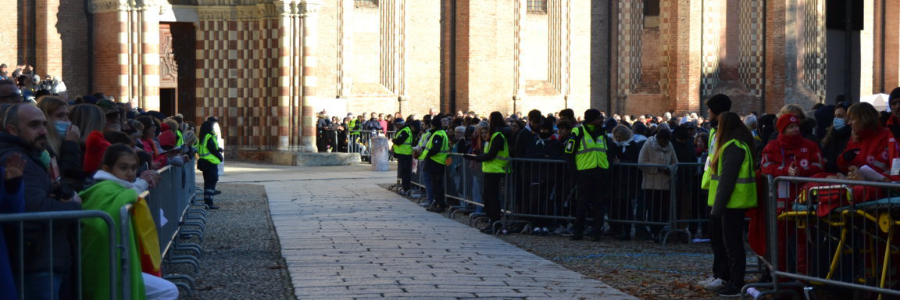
x,y
784,121
590,115
719,104
95,146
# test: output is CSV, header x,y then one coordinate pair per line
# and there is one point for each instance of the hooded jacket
x,y
870,149
778,156
652,153
38,198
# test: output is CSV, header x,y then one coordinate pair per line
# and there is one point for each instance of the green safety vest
x,y
204,153
441,156
499,163
180,140
744,194
711,148
404,148
591,153
352,127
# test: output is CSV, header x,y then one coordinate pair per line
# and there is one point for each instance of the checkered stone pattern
x,y
710,64
236,78
814,47
665,32
750,69
631,19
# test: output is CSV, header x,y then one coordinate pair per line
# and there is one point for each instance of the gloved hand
x,y
850,155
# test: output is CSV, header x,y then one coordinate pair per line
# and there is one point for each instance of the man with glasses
x,y
9,92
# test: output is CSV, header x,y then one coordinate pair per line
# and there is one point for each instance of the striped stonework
x,y
813,62
631,23
751,38
712,26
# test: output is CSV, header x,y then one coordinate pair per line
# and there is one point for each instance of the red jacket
x,y
777,159
872,147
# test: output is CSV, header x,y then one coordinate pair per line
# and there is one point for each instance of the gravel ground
x,y
241,253
638,267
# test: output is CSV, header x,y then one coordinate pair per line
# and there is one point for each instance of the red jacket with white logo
x,y
777,158
871,149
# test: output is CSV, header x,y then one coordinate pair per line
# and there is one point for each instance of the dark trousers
x,y
436,173
591,186
726,234
657,203
404,170
210,176
491,196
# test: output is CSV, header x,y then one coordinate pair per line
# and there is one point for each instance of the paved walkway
x,y
344,237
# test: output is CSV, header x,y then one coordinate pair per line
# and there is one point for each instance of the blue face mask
x,y
62,127
839,123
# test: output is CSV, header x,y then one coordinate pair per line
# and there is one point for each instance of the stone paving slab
x,y
344,237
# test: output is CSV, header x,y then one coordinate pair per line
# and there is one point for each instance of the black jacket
x,y
38,198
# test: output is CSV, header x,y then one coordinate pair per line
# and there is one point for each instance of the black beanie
x,y
719,104
894,94
590,115
436,121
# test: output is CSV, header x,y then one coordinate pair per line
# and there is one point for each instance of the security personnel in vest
x,y
403,151
353,127
586,154
716,105
435,157
495,161
732,190
210,158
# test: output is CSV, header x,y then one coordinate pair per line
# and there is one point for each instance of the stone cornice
x,y
102,6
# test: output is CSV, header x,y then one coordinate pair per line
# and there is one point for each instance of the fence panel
x,y
464,183
832,232
16,223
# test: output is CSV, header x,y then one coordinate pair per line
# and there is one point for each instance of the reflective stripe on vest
x,y
352,126
710,151
404,148
441,156
591,154
204,153
499,163
744,194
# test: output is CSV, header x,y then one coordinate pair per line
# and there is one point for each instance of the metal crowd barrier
x,y
542,192
171,204
824,234
360,141
16,222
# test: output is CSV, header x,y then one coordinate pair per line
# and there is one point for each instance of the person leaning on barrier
x,y
435,157
732,190
403,152
12,200
25,133
116,187
210,157
657,150
586,149
494,165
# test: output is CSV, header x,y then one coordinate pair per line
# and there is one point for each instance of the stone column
x,y
310,15
149,57
286,32
521,12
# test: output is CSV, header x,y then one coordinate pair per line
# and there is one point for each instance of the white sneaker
x,y
706,281
715,285
536,231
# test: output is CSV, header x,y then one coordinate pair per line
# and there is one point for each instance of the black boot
x,y
209,203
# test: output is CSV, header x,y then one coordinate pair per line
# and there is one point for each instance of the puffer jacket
x,y
655,178
38,187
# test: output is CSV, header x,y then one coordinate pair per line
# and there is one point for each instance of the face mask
x,y
62,127
839,123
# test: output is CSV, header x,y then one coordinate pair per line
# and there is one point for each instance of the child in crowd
x,y
116,186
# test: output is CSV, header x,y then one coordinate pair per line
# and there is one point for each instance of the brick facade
x,y
265,67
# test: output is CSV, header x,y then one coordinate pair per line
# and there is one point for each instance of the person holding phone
x,y
63,142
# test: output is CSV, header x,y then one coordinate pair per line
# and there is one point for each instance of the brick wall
x,y
9,37
423,55
72,26
109,74
775,56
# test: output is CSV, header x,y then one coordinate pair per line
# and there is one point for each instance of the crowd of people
x,y
90,153
841,140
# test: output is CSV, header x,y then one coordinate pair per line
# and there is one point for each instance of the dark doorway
x,y
181,54
168,101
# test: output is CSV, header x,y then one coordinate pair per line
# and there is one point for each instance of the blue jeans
x,y
426,179
42,285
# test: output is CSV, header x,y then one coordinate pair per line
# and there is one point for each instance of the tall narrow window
x,y
366,3
537,6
